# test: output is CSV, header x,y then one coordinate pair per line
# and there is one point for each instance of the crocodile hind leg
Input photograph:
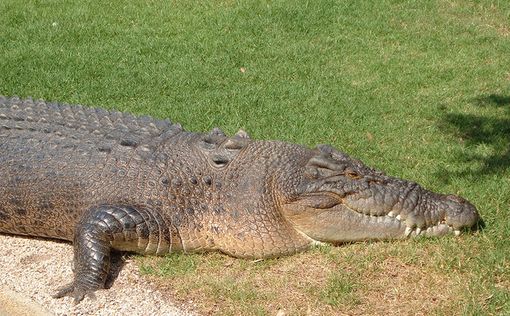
x,y
112,227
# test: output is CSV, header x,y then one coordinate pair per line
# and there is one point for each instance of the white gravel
x,y
31,270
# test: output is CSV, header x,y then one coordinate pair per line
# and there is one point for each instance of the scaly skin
x,y
110,181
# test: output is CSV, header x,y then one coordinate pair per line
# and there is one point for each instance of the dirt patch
x,y
399,278
32,269
14,304
35,258
358,279
398,288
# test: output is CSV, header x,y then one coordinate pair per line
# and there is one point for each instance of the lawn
x,y
419,89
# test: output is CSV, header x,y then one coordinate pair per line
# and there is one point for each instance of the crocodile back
x,y
57,160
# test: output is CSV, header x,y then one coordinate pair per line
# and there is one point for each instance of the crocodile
x,y
111,181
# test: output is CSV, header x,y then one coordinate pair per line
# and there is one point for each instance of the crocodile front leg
x,y
108,227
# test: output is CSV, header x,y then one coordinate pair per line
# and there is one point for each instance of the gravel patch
x,y
32,269
14,304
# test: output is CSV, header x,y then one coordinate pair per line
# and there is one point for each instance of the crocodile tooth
x,y
391,214
399,217
457,232
408,231
442,229
418,230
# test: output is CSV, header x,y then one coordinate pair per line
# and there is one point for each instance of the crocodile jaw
x,y
327,221
341,224
339,199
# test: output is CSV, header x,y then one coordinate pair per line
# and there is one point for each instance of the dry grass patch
x,y
402,278
485,16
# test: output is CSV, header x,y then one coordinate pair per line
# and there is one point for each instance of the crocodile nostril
x,y
456,198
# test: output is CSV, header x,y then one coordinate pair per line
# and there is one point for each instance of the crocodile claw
x,y
77,293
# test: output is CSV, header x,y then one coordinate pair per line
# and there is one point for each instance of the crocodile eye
x,y
353,175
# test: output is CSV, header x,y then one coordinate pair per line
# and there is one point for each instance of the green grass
x,y
420,89
339,291
176,265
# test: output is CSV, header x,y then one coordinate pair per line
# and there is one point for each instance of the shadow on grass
x,y
491,131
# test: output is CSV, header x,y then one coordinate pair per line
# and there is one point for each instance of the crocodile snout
x,y
437,215
460,213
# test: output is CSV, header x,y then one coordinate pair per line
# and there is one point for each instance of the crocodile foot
x,y
111,227
75,291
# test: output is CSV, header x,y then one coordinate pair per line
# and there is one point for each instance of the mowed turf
x,y
419,89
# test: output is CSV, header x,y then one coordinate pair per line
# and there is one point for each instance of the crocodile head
x,y
339,199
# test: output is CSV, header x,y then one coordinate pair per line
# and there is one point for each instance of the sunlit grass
x,y
418,89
